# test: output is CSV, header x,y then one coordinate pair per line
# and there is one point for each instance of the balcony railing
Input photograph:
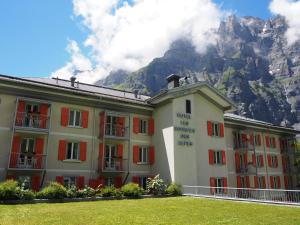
x,y
242,169
27,161
246,194
31,120
116,131
113,164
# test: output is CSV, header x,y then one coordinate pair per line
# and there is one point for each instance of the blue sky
x,y
35,33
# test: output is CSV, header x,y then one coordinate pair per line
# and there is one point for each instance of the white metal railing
x,y
251,194
32,120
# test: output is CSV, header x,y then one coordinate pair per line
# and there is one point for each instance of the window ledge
x,y
143,163
78,127
72,160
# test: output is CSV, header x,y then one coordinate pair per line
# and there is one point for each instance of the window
x,y
143,126
69,181
73,151
272,142
109,181
273,161
143,155
24,182
32,108
257,140
276,182
220,185
110,157
27,145
216,129
218,157
188,107
143,182
259,159
261,182
111,123
75,118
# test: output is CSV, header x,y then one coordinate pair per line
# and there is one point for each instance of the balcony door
x,y
110,156
26,159
32,115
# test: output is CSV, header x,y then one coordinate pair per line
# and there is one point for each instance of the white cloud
x,y
128,36
291,11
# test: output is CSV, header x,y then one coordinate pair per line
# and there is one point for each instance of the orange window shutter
x,y
268,141
85,119
21,106
118,181
261,157
101,152
101,181
259,140
253,159
93,183
62,150
35,183
225,184
39,148
286,182
264,182
212,182
10,177
151,155
136,154
136,125
64,116
151,126
255,181
247,182
283,164
60,179
237,162
120,130
120,150
246,158
83,150
209,128
244,138
221,129
15,151
238,182
272,181
223,157
80,182
136,180
278,183
211,157
102,124
269,161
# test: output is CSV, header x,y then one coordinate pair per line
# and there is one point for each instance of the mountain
x,y
251,63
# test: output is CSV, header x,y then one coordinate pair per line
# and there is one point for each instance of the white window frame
x,y
275,182
273,161
143,182
27,145
143,155
143,126
218,157
256,140
112,125
109,161
216,129
219,185
69,181
72,151
75,111
109,181
258,162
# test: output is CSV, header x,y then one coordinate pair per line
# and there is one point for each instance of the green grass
x,y
179,210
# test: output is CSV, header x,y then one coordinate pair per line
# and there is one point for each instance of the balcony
x,y
32,121
113,165
116,131
23,161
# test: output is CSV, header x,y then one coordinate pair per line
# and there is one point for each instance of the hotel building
x,y
80,134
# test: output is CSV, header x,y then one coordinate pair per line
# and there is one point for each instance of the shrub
x,y
27,194
173,189
132,190
156,185
72,192
9,190
86,192
109,191
53,191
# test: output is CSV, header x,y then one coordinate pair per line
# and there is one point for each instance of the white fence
x,y
246,194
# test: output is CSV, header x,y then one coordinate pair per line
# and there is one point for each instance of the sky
x,y
57,37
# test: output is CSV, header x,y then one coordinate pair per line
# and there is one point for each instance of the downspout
x,y
129,145
93,141
266,159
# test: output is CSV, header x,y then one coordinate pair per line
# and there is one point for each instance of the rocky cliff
x,y
251,63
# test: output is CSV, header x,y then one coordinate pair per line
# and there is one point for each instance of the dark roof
x,y
89,88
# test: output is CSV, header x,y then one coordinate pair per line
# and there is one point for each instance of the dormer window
x,y
188,107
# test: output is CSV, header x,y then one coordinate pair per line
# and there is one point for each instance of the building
x,y
74,133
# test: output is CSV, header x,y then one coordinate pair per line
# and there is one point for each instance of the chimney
x,y
173,81
136,92
73,79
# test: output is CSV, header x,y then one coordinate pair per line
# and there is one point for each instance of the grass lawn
x,y
180,210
